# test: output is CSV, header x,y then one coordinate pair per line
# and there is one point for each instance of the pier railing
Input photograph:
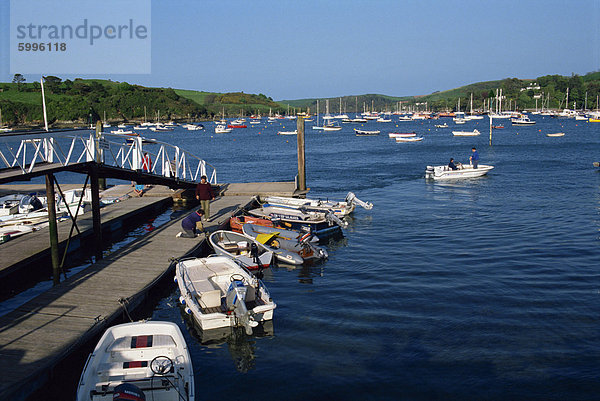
x,y
26,151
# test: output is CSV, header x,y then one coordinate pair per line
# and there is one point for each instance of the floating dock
x,y
41,333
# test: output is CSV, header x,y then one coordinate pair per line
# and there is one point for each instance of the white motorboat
x,y
463,171
287,132
222,129
523,120
217,292
15,230
146,360
475,132
409,139
557,134
402,134
121,131
321,224
243,248
360,132
340,209
444,125
331,127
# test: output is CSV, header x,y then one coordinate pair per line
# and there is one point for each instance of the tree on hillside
x,y
52,83
18,79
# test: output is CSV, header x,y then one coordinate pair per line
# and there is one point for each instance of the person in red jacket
x,y
204,194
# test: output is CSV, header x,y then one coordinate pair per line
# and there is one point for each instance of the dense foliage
x,y
84,100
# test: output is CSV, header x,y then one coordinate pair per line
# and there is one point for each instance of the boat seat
x,y
129,370
133,342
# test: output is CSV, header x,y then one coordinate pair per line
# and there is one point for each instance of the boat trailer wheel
x,y
161,365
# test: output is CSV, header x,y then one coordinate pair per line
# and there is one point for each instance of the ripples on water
x,y
478,289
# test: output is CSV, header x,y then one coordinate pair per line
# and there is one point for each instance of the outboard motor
x,y
236,302
332,218
351,198
128,392
30,203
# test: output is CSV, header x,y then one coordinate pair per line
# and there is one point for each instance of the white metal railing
x,y
25,152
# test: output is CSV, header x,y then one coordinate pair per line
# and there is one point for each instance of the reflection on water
x,y
240,345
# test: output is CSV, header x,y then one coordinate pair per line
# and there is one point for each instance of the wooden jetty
x,y
39,334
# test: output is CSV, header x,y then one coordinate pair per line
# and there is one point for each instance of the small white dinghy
x,y
218,292
409,139
138,359
557,134
463,171
466,133
402,134
241,247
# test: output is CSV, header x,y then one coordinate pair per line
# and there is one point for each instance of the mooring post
x,y
490,129
53,228
301,160
101,180
96,212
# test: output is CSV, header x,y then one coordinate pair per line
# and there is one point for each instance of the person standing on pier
x,y
191,225
474,157
204,194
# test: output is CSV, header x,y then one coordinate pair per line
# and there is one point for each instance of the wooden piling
x,y
301,159
53,228
96,211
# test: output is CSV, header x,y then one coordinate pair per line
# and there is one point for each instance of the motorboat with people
x,y
241,247
318,223
462,171
147,360
341,209
285,244
218,292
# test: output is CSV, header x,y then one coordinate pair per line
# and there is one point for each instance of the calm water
x,y
478,289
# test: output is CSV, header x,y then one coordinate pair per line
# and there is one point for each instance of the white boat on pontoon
x,y
409,139
341,209
243,248
463,171
135,361
475,132
217,292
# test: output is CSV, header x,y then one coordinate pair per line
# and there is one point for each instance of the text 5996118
x,y
42,47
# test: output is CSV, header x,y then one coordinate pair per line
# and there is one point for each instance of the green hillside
x,y
233,103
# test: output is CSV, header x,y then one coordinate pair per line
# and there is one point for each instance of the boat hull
x,y
445,173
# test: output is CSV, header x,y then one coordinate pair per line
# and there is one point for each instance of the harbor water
x,y
484,288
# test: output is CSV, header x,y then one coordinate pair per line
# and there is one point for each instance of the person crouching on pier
x,y
191,225
204,194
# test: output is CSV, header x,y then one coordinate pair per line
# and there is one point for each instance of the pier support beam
x,y
94,178
53,228
102,180
301,160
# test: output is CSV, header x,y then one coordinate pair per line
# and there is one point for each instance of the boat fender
x,y
128,391
188,311
175,279
182,300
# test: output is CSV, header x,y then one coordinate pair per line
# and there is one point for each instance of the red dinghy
x,y
236,126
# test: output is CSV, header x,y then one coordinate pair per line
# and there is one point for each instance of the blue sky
x,y
297,49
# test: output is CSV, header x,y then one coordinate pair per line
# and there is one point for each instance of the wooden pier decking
x,y
39,334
